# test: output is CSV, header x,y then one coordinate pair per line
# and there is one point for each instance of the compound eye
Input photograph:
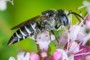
x,y
64,20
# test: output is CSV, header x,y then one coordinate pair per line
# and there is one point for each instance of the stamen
x,y
82,54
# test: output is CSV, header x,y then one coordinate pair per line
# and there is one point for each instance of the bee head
x,y
62,19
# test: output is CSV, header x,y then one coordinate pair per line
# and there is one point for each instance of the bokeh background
x,y
23,10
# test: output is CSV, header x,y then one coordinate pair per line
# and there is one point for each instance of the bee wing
x,y
34,19
26,22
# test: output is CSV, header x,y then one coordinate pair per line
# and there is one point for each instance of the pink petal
x,y
63,39
59,54
87,57
86,51
87,18
88,24
74,47
56,55
34,56
73,31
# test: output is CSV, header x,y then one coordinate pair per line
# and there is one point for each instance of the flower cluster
x,y
26,56
75,41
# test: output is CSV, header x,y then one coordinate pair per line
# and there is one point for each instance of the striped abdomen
x,y
23,33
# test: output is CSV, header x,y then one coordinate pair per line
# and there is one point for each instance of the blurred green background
x,y
23,10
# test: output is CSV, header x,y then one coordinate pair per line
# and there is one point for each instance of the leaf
x,y
56,33
52,48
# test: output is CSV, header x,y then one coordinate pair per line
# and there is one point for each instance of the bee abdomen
x,y
22,34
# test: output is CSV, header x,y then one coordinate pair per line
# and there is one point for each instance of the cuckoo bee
x,y
47,21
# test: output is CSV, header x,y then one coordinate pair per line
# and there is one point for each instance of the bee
x,y
47,21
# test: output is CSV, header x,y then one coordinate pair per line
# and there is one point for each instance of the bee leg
x,y
57,39
38,47
35,35
50,36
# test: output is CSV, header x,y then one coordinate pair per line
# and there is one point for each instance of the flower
x,y
84,53
26,56
73,31
34,57
70,34
87,17
64,55
44,39
11,58
76,33
74,38
86,26
63,38
56,55
87,21
3,4
21,56
72,47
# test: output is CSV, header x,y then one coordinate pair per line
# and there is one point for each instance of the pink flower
x,y
72,47
87,17
34,57
85,51
26,56
63,38
56,55
59,54
73,31
84,33
70,34
87,22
